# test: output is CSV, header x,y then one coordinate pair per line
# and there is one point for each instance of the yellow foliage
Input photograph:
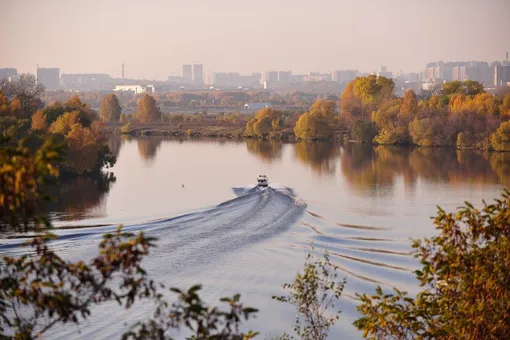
x,y
39,121
482,103
312,126
500,139
504,108
83,148
64,123
324,108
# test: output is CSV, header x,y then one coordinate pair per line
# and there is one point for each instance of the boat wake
x,y
254,215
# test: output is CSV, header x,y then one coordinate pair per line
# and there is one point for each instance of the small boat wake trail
x,y
200,237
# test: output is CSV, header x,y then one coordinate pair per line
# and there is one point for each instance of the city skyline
x,y
154,40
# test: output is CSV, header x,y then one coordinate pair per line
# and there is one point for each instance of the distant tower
x,y
122,71
506,56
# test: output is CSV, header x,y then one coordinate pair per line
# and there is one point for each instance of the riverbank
x,y
235,132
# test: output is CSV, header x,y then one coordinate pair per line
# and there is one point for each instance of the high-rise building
x,y
501,75
343,76
224,79
413,77
48,77
459,73
198,73
6,73
284,77
271,76
187,73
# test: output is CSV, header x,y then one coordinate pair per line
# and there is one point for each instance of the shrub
x,y
466,280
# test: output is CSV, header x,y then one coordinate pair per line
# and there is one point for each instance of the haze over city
x,y
154,39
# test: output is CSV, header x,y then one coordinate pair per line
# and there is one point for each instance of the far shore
x,y
165,129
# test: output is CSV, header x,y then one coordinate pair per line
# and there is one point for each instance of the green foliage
x,y
22,173
85,113
466,280
148,111
314,293
468,87
500,139
13,128
199,319
363,132
373,89
366,89
110,109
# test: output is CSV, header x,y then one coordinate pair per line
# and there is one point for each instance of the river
x,y
361,203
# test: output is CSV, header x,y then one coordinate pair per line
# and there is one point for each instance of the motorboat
x,y
262,181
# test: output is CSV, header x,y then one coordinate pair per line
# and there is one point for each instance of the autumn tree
x,y
65,122
316,123
22,175
148,111
85,113
39,121
409,105
504,108
23,94
468,88
110,109
465,277
500,139
350,104
83,148
433,131
264,121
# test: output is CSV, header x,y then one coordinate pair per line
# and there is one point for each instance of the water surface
x,y
360,203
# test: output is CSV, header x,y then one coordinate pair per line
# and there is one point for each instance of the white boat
x,y
262,181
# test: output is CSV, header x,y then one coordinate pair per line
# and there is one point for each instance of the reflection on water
x,y
148,147
81,197
500,163
363,211
366,169
369,168
320,156
264,149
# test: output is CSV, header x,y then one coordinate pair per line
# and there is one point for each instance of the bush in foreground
x,y
466,280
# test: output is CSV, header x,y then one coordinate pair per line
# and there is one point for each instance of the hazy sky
x,y
155,37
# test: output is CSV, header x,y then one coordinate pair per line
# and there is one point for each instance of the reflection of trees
x,y
500,163
320,155
148,147
114,144
368,167
265,150
75,197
